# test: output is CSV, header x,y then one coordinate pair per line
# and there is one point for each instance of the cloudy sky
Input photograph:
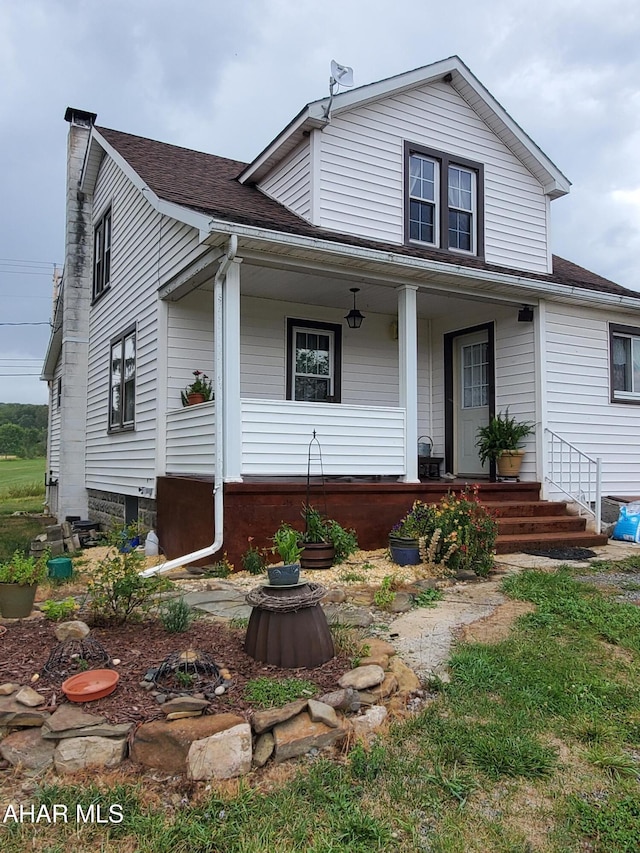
x,y
202,74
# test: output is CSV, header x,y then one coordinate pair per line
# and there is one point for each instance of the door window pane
x,y
475,385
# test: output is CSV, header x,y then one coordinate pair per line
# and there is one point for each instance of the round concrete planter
x,y
16,600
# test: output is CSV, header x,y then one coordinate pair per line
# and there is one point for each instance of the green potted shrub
x,y
325,540
319,551
19,578
500,440
286,544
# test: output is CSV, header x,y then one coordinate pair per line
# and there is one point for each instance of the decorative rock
x,y
377,660
357,617
321,713
71,717
408,681
27,749
375,694
334,596
263,720
346,699
224,755
29,697
362,677
79,753
184,703
371,720
377,646
116,661
264,749
402,602
299,735
8,688
220,690
181,715
101,730
35,677
72,630
165,745
12,713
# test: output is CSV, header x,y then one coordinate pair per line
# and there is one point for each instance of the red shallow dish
x,y
90,685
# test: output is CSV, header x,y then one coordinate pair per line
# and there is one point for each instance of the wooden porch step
x,y
510,509
513,542
526,525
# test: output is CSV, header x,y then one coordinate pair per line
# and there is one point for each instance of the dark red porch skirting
x,y
185,509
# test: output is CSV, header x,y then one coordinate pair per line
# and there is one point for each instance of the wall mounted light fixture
x,y
354,318
525,314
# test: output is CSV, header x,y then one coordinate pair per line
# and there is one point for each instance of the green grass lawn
x,y
534,747
21,490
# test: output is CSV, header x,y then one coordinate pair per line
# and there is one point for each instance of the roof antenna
x,y
341,75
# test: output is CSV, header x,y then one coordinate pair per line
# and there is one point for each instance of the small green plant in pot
x,y
500,440
19,578
325,540
286,543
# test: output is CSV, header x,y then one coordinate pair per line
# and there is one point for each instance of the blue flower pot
x,y
404,552
284,575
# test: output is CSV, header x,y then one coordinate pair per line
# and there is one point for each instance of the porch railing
x,y
575,474
355,440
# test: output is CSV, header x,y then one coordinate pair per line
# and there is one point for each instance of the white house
x,y
418,190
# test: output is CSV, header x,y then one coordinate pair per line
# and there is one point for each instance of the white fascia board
x,y
526,286
55,339
167,208
276,150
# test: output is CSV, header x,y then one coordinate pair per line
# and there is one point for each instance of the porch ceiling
x,y
332,291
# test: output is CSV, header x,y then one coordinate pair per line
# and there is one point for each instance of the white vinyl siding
x,y
54,436
362,186
578,394
146,248
290,182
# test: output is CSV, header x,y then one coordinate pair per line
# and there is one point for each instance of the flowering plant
x,y
459,532
200,385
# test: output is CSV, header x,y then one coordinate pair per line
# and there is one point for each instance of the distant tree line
x,y
23,430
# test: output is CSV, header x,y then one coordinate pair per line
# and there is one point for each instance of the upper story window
x,y
102,255
624,344
122,381
444,201
313,361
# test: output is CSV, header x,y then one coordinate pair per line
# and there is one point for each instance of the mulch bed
x,y
26,646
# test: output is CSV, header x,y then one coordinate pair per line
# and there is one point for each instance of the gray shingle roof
x,y
208,184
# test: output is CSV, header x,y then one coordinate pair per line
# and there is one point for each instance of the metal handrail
x,y
576,474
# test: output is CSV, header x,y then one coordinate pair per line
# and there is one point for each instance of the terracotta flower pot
x,y
90,685
195,398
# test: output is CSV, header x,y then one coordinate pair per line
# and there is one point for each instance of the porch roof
x,y
209,184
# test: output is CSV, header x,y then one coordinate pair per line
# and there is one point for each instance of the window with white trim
x,y
314,357
122,381
624,345
443,201
102,255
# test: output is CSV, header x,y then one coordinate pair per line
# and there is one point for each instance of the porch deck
x,y
371,506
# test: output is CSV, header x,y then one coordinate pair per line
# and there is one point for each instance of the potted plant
x,y
19,578
199,391
286,544
500,440
319,551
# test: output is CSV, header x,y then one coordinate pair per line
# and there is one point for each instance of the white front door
x,y
471,400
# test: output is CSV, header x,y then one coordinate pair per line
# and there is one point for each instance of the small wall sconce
x,y
354,318
525,314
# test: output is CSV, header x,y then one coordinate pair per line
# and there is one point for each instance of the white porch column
x,y
408,361
540,350
232,417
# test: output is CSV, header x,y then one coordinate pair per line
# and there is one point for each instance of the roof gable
x,y
452,71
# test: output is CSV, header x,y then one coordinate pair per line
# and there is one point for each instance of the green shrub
x,y
176,616
23,570
58,610
254,559
117,591
384,596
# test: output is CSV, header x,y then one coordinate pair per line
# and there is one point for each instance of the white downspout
x,y
218,491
